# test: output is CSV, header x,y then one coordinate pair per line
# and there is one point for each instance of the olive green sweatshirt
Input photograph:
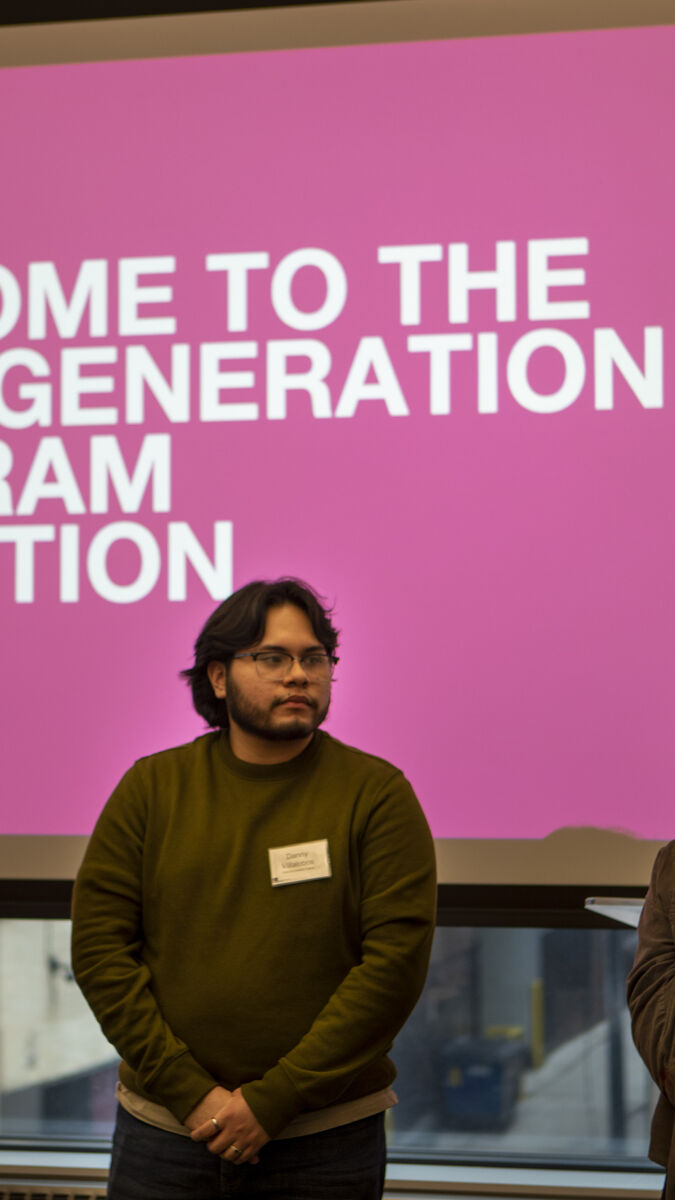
x,y
201,972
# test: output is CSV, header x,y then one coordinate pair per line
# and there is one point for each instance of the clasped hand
x,y
239,1135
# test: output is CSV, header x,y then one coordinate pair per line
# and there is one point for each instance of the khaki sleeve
x,y
651,982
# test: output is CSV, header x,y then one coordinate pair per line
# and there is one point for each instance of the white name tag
x,y
295,864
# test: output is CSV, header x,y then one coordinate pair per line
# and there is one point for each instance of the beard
x,y
255,719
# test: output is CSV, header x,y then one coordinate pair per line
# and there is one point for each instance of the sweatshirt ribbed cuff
x,y
180,1085
273,1100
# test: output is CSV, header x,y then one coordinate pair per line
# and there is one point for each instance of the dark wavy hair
x,y
240,622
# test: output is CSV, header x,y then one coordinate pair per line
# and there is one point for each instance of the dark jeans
x,y
346,1163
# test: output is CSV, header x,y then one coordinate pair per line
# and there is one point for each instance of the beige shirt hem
x,y
309,1122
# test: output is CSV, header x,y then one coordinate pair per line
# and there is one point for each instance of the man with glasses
x,y
251,926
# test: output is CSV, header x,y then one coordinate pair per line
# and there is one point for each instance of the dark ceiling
x,y
29,12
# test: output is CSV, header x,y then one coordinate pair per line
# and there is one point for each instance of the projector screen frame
x,y
58,38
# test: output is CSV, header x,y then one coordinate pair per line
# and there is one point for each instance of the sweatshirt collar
x,y
285,770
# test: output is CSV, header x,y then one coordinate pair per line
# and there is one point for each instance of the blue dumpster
x,y
481,1081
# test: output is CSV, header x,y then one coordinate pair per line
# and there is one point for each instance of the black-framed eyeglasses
x,y
274,665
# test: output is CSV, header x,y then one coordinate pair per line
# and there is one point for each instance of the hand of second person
x,y
240,1135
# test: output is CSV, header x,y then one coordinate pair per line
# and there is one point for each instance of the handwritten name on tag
x,y
295,864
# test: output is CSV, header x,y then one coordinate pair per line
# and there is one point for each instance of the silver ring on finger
x,y
236,1151
215,1123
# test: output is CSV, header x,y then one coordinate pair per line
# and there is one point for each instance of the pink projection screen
x,y
396,319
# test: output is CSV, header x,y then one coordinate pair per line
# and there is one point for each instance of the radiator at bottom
x,y
40,1192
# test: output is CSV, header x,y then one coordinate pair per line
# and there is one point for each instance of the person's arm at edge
x,y
651,982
